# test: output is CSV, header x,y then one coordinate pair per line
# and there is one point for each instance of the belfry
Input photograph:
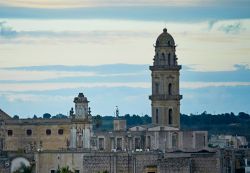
x,y
165,98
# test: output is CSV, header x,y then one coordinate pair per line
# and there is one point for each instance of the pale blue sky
x,y
212,38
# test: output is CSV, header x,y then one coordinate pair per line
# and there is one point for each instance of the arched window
x,y
169,43
170,116
163,55
156,116
169,89
169,59
156,88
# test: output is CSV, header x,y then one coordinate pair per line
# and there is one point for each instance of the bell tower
x,y
81,106
165,98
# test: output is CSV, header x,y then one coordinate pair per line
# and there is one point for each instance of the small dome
x,y
165,39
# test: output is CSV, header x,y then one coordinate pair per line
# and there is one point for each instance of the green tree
x,y
64,170
25,169
98,121
46,115
16,117
104,171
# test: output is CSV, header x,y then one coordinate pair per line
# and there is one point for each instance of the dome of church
x,y
165,39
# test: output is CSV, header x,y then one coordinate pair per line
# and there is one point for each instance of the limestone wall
x,y
123,162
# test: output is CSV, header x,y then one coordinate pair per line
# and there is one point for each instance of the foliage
x,y
104,171
64,170
16,117
60,116
97,120
46,115
24,169
225,123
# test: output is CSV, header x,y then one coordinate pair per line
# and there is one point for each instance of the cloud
x,y
45,75
25,87
101,3
196,85
25,75
6,31
21,87
12,97
234,28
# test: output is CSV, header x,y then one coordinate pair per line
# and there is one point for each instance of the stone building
x,y
165,83
49,134
160,147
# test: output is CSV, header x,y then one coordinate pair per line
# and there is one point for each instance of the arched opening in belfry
x,y
170,116
163,55
169,59
169,89
157,88
156,116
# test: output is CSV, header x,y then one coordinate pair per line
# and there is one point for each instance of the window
x,y
163,55
101,143
119,144
174,140
48,132
170,117
29,132
148,142
77,171
156,116
52,171
10,132
137,143
169,59
157,88
60,131
169,89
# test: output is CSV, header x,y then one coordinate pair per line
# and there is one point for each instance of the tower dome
x,y
165,39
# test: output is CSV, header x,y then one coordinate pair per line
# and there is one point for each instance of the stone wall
x,y
44,134
174,165
124,162
205,164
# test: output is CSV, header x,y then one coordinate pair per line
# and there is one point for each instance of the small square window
x,y
60,131
52,171
77,171
29,132
48,132
10,132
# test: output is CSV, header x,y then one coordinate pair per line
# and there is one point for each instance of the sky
x,y
50,50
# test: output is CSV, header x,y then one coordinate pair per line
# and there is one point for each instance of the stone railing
x,y
165,67
165,97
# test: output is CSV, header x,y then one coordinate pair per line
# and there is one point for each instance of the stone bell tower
x,y
81,106
165,98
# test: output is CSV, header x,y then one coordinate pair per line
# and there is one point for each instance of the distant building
x,y
228,141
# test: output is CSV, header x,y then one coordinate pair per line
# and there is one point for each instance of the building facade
x,y
30,135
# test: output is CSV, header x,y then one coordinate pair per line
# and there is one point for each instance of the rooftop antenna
x,y
116,111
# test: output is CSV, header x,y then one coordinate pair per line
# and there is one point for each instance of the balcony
x,y
164,67
165,97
